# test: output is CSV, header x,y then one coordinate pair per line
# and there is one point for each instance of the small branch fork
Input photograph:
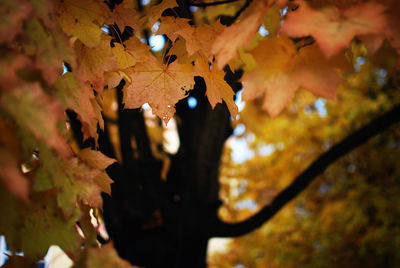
x,y
357,138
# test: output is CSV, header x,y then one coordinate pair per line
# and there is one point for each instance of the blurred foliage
x,y
348,216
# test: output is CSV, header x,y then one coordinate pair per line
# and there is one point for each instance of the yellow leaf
x,y
83,19
130,52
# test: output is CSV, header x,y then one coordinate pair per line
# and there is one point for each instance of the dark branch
x,y
223,229
213,3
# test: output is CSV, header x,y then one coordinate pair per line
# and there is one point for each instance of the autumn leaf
x,y
281,71
95,61
48,50
239,34
217,88
28,105
333,29
124,16
156,11
83,19
173,27
80,98
272,19
130,52
79,185
105,257
104,182
95,159
160,85
56,230
197,38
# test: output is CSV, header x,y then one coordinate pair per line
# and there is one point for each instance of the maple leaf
x,y
217,88
281,71
105,257
78,179
197,38
157,10
95,159
28,105
272,19
160,85
95,61
45,216
130,52
332,29
112,79
48,50
80,98
124,16
239,34
74,182
80,184
173,27
83,19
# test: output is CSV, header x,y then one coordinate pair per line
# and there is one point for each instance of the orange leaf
x,y
217,88
123,16
95,159
157,10
332,29
197,38
281,71
240,34
162,86
130,52
95,61
81,99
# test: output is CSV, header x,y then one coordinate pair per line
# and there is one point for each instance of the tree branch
x,y
223,229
